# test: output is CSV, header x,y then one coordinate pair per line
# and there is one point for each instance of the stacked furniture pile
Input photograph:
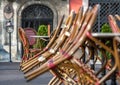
x,y
66,57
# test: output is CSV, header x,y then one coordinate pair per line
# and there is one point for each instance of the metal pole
x,y
92,59
104,70
10,46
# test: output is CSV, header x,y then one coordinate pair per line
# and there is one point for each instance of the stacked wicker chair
x,y
27,50
64,55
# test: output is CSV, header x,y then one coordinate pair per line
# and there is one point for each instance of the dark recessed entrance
x,y
35,15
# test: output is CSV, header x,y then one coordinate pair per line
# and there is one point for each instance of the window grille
x,y
106,7
35,15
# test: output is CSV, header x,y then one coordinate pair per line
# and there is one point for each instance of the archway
x,y
35,15
53,20
40,3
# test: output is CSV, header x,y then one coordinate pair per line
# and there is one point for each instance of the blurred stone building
x,y
30,13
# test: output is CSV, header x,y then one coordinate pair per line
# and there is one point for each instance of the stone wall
x,y
59,8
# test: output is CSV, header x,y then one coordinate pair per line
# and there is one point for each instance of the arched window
x,y
35,15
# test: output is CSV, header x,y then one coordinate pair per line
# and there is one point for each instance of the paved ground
x,y
10,75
